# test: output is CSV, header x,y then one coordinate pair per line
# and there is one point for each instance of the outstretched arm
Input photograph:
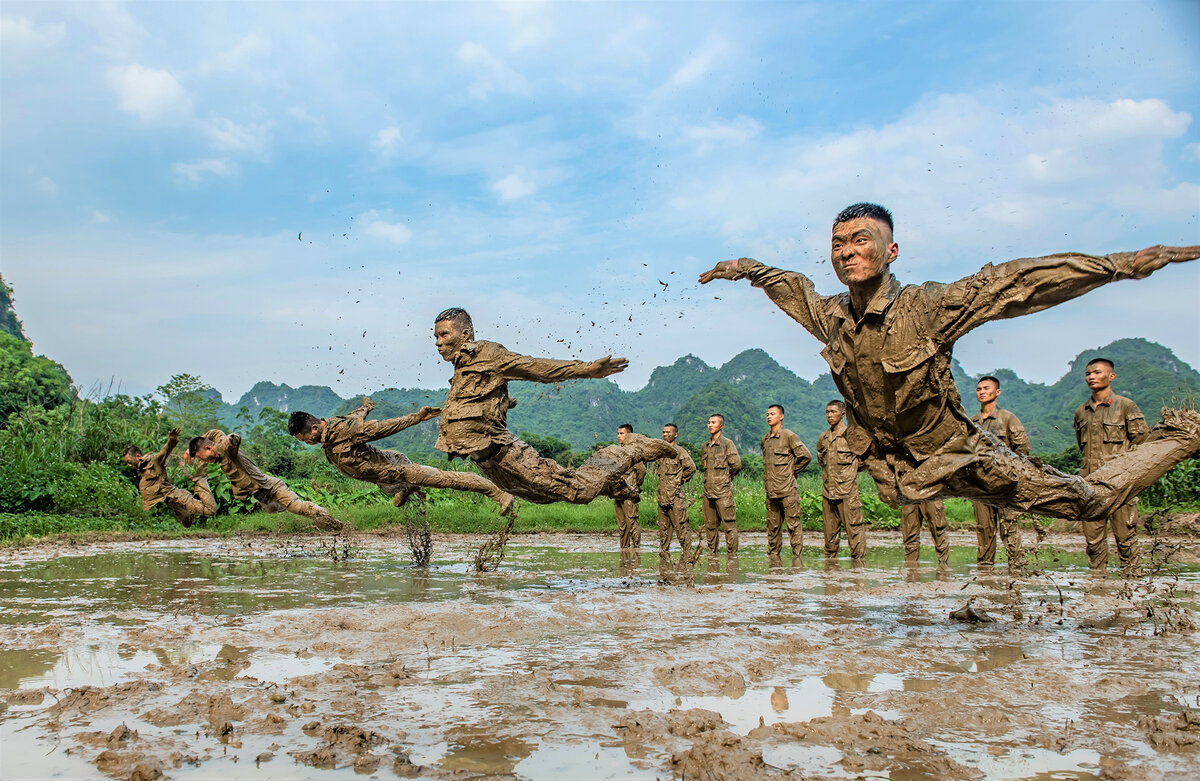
x,y
1021,287
790,290
363,410
371,430
172,441
514,366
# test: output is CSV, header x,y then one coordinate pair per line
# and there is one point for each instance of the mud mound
x,y
721,755
217,711
87,700
1180,730
345,745
701,678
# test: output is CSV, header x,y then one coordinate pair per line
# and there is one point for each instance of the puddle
x,y
572,660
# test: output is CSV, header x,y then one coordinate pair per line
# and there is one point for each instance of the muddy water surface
x,y
264,658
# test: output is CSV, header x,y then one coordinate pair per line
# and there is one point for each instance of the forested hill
x,y
689,390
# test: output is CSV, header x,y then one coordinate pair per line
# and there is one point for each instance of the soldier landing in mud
x,y
889,348
272,494
475,416
346,441
1004,426
156,489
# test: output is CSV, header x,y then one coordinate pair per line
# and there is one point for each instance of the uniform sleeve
x,y
821,447
160,457
1018,436
1021,287
514,366
371,430
1079,428
792,292
639,472
689,466
734,461
1135,424
800,452
358,414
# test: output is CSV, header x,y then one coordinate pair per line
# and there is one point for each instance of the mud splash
x,y
222,657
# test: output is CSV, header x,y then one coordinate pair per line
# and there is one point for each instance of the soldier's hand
x,y
726,269
606,366
174,433
367,403
428,413
1151,259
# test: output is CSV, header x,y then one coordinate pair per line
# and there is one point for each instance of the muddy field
x,y
266,658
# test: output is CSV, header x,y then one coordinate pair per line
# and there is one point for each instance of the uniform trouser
x,y
518,469
934,516
847,512
781,509
989,520
674,518
720,513
977,466
185,506
397,479
1095,535
627,523
279,498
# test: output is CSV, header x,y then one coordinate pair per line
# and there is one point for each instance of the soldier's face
x,y
1098,376
774,416
621,436
715,424
449,338
669,434
207,453
834,415
862,248
130,460
986,392
310,437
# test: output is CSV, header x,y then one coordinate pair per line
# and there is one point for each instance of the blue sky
x,y
291,191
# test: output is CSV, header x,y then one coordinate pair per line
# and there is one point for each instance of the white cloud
x,y
47,185
530,25
149,94
98,217
717,134
513,187
204,170
700,63
227,135
378,224
239,57
491,74
20,34
1192,152
388,141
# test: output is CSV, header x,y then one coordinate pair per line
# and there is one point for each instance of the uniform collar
x,y
888,292
1091,404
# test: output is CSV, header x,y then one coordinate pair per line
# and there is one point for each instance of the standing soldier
x,y
626,507
156,489
720,461
673,474
933,514
784,456
1005,427
840,503
272,494
1105,426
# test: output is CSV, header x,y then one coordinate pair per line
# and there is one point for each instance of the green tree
x,y
27,380
9,323
190,402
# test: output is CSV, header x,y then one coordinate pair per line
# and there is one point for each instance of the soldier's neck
x,y
987,409
715,437
861,293
1100,394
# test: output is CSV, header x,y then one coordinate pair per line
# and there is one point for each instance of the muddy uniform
x,y
673,474
840,503
933,515
628,525
1005,426
784,455
1104,431
892,366
345,442
720,462
475,416
272,494
156,489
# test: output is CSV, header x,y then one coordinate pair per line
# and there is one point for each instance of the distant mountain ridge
x,y
689,390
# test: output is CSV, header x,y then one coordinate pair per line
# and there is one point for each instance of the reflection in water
x,y
483,752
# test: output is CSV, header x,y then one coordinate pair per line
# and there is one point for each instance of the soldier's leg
x,y
791,515
985,534
683,530
287,499
831,525
774,522
186,506
910,532
208,503
1124,527
428,477
712,523
856,528
664,530
634,522
1095,540
935,514
728,515
1010,532
602,473
622,523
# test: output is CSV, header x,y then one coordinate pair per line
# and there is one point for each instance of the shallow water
x,y
575,660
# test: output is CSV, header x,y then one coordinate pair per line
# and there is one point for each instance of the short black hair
x,y
672,425
718,415
456,315
1111,366
195,443
989,377
869,210
839,403
132,450
779,407
627,428
301,421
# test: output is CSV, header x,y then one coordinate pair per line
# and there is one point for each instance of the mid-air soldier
x,y
933,515
840,503
889,348
1107,425
626,508
673,474
346,441
784,456
475,416
156,489
720,461
247,480
1005,426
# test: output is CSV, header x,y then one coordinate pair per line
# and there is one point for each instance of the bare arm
x,y
791,291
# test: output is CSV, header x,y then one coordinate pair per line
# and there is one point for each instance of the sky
x,y
291,192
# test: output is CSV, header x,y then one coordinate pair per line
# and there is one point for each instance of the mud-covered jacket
x,y
839,466
784,455
244,475
1103,430
1007,428
153,483
346,443
720,462
673,474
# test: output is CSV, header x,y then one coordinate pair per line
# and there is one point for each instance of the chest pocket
x,y
1114,433
844,457
465,411
900,362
